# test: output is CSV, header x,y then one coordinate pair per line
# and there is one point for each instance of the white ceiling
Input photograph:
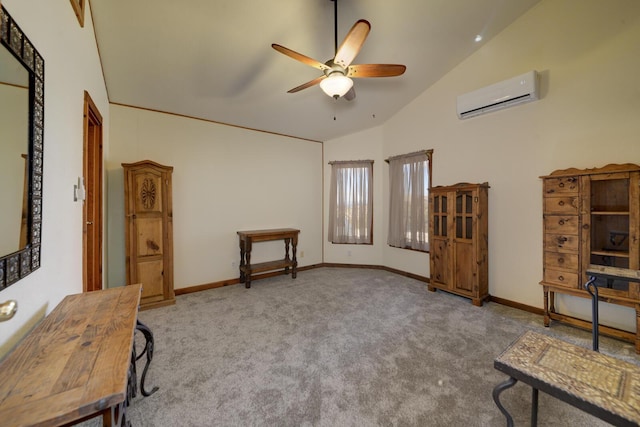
x,y
212,59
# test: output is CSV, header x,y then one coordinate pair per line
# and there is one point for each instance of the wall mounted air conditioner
x,y
501,95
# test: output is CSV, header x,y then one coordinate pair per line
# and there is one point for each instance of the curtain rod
x,y
338,162
415,153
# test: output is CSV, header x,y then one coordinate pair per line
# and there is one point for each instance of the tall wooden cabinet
x,y
591,217
458,240
149,231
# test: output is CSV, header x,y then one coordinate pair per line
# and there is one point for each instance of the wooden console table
x,y
593,382
79,362
247,238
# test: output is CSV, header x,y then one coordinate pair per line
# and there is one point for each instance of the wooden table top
x,y
268,232
594,382
74,363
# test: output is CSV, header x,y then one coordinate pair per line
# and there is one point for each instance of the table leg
x,y
247,276
242,277
637,328
547,318
286,253
591,287
248,245
116,416
496,398
148,350
294,247
534,407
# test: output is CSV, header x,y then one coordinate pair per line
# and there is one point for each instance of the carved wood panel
x,y
149,244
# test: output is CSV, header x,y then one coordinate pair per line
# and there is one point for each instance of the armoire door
x,y
464,278
149,231
439,239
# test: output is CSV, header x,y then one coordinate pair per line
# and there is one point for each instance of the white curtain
x,y
408,201
351,202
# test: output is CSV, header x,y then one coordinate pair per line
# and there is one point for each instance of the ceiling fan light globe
x,y
336,85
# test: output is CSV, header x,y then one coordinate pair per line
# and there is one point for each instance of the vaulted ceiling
x,y
212,59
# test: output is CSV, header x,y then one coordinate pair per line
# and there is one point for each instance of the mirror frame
x,y
21,263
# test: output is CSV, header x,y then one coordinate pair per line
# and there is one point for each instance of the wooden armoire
x,y
149,231
459,240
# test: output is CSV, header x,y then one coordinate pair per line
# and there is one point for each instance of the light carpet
x,y
341,347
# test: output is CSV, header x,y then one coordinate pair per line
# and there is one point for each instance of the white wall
x,y
225,179
588,53
71,67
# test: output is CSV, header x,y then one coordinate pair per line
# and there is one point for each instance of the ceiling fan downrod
x,y
335,26
337,83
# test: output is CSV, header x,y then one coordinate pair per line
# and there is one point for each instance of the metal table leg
x,y
534,407
496,398
591,287
148,350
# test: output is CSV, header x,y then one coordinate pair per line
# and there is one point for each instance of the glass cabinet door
x,y
439,244
465,275
464,215
440,215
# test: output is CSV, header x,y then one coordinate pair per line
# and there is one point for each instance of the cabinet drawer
x,y
561,224
561,205
563,185
561,243
563,278
565,261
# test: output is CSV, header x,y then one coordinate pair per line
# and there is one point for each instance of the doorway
x,y
92,209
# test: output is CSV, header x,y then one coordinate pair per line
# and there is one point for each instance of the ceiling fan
x,y
338,71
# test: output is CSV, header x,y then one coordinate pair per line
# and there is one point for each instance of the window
x,y
351,202
409,180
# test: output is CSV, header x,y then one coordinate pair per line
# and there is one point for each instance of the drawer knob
x,y
560,260
561,185
561,278
561,222
561,203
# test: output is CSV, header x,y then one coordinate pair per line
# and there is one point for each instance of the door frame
x,y
92,210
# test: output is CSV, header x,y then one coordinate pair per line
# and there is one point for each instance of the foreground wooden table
x,y
75,364
246,240
601,385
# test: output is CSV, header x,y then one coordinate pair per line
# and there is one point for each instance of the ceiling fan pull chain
x,y
335,106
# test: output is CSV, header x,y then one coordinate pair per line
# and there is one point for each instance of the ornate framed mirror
x,y
21,148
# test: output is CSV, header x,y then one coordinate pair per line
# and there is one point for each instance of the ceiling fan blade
x,y
350,96
300,57
307,84
376,70
352,43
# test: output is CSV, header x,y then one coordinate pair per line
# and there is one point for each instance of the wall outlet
x,y
234,264
301,254
349,253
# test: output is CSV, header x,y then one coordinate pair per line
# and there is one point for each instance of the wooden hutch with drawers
x,y
591,217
